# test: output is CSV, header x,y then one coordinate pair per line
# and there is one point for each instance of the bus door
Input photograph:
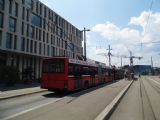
x,y
100,74
77,77
93,78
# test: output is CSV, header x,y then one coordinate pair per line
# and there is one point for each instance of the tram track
x,y
154,85
146,103
138,103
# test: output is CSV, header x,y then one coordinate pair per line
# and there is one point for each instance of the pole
x,y
109,55
85,57
151,62
121,61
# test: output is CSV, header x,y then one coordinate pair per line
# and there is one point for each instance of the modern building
x,y
143,69
30,31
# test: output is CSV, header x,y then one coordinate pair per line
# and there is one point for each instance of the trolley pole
x,y
85,56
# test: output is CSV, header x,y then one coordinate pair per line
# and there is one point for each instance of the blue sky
x,y
114,22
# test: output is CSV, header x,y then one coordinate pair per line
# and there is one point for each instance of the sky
x,y
125,25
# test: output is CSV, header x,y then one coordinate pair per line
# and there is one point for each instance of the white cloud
x,y
124,39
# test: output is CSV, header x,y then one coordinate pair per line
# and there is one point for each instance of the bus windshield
x,y
54,65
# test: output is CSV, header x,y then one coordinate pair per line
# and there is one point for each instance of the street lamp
x,y
84,30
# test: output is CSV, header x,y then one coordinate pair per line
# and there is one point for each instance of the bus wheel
x,y
86,85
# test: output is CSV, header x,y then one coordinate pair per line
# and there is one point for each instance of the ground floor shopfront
x,y
22,62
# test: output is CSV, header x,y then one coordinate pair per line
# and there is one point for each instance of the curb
x,y
23,94
106,113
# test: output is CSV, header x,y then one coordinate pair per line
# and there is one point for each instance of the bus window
x,y
85,71
51,66
77,70
70,70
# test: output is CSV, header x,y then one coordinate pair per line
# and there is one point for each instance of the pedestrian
x,y
139,75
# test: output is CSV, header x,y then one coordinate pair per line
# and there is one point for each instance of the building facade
x,y
30,31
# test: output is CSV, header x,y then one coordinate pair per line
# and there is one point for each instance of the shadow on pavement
x,y
76,93
4,88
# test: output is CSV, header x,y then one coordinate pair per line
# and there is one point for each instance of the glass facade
x,y
12,24
36,20
30,27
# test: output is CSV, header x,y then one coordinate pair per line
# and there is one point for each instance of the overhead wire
x,y
145,29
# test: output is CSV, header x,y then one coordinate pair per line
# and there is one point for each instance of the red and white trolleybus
x,y
62,73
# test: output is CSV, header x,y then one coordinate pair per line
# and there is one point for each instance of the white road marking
x,y
25,111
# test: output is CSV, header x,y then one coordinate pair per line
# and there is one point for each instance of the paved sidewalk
x,y
18,90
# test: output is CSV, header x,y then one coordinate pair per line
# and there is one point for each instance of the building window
x,y
52,39
12,24
10,6
40,8
1,4
27,45
32,32
47,37
23,13
22,28
35,47
23,1
40,35
0,38
48,25
36,20
52,51
15,42
1,20
37,6
16,9
45,12
27,30
31,46
9,41
44,49
36,33
40,48
43,36
30,3
48,48
23,44
44,24
27,15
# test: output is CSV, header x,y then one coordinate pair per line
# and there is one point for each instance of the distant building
x,y
156,71
30,31
142,69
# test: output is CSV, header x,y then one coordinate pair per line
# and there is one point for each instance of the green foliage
x,y
9,75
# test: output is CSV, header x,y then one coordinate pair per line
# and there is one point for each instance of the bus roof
x,y
89,62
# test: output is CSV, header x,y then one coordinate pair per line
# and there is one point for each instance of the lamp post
x,y
84,30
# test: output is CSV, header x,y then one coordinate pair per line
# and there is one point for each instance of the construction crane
x,y
107,55
131,57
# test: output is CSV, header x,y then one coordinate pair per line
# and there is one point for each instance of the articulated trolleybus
x,y
62,73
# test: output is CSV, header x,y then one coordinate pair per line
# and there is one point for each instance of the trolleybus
x,y
62,73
